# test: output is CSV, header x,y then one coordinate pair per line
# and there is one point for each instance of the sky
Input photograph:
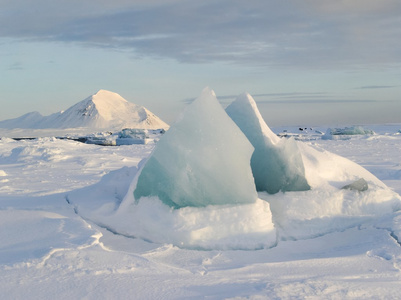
x,y
310,62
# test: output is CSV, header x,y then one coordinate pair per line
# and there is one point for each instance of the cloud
x,y
378,87
17,66
307,34
292,98
317,101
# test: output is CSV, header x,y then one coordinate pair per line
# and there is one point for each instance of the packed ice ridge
x,y
276,163
196,190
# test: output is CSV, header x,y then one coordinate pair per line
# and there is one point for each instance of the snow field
x,y
37,167
76,258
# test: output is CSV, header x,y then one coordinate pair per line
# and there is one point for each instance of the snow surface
x,y
51,248
104,110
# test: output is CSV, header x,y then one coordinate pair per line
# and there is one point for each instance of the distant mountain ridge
x,y
103,110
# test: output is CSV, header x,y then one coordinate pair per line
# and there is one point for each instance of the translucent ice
x,y
339,133
354,130
359,185
204,159
276,163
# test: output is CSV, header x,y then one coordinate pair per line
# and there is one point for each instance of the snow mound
x,y
103,110
327,207
222,227
276,163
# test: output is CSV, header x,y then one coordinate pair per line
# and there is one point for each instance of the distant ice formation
x,y
276,163
204,159
335,133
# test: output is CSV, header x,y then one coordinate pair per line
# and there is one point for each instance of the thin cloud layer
x,y
307,34
372,87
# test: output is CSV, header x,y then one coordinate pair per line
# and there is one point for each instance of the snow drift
x,y
328,207
103,110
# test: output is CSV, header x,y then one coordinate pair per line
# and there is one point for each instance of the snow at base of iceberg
x,y
295,215
221,227
327,207
217,227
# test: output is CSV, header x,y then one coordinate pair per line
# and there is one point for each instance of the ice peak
x,y
192,165
245,102
246,98
276,164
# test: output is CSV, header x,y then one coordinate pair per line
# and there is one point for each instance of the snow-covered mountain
x,y
103,110
29,120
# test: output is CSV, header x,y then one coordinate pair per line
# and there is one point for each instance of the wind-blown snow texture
x,y
204,159
276,164
103,110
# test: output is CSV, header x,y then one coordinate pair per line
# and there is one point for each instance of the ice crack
x,y
395,237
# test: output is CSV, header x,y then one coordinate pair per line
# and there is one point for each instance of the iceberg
x,y
344,133
196,190
130,136
276,163
204,159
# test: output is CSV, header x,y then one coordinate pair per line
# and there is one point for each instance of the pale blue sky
x,y
305,62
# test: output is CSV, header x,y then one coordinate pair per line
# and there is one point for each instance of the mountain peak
x,y
101,94
102,110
